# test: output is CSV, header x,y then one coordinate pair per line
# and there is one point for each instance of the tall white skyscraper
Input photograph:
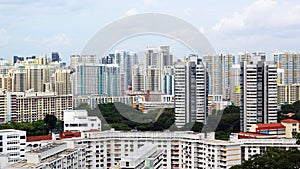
x,y
190,91
258,93
156,60
126,60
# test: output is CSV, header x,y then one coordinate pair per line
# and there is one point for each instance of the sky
x,y
32,27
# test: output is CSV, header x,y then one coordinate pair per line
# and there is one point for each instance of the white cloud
x,y
3,37
261,14
131,11
233,23
57,41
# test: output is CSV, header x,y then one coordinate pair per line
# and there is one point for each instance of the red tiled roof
x,y
242,135
269,126
251,134
69,134
38,138
289,121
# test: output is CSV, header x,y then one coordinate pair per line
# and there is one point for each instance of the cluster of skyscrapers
x,y
193,85
32,87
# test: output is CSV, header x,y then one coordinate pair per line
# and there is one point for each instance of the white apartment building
x,y
181,149
79,121
258,93
12,144
254,146
190,91
94,100
59,155
147,156
80,59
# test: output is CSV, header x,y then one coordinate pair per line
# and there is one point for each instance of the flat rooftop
x,y
24,164
46,147
141,153
9,130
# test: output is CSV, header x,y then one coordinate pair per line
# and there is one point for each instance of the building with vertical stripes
x,y
258,93
191,82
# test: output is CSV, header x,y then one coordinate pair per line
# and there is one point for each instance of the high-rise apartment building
x,y
123,59
6,82
288,93
168,80
258,93
190,91
235,88
37,77
97,79
81,59
61,80
156,60
152,56
19,80
218,68
153,79
290,63
32,106
138,79
254,56
214,69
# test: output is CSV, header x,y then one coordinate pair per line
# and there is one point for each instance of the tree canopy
x,y
50,121
290,108
273,158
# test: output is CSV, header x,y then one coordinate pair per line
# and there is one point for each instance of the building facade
x,y
235,88
78,121
288,93
12,144
258,93
181,149
290,63
54,155
191,84
97,79
32,106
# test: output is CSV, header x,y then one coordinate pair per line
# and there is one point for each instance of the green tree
x,y
229,123
50,121
273,158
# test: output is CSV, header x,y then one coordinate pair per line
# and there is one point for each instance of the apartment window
x,y
294,124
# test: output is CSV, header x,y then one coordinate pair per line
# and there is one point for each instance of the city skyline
x,y
38,28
